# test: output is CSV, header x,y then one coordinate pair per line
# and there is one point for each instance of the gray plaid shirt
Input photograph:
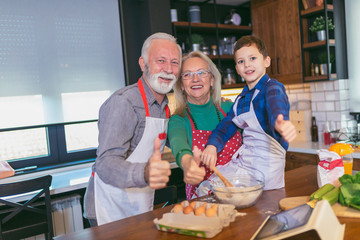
x,y
121,127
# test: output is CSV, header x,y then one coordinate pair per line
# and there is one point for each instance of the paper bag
x,y
6,170
330,168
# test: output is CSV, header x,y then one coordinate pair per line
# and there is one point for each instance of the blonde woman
x,y
198,111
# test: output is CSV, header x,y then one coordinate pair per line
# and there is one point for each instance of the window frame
x,y
58,155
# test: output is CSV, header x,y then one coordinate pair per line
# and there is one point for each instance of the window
x,y
59,61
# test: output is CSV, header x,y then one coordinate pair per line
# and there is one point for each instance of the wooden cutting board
x,y
340,211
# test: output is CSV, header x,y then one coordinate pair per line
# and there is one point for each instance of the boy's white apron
x,y
259,151
113,203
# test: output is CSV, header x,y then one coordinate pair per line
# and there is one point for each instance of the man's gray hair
x,y
159,35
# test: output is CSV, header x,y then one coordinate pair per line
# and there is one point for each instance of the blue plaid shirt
x,y
268,104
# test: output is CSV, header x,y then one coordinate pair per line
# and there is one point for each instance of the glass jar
x,y
229,77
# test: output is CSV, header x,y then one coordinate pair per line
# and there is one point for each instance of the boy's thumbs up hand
x,y
285,128
157,171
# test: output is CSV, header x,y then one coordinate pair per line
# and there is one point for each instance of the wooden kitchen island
x,y
299,182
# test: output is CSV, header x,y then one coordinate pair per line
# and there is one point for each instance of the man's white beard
x,y
161,88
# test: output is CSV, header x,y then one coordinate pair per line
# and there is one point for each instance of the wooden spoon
x,y
226,182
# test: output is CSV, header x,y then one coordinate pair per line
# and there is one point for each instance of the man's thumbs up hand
x,y
157,171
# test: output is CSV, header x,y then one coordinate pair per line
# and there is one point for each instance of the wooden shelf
x,y
223,57
318,44
212,25
236,85
320,77
316,9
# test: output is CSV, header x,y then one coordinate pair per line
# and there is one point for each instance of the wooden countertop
x,y
299,182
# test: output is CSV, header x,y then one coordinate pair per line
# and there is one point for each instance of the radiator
x,y
66,216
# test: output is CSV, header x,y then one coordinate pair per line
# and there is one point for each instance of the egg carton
x,y
199,226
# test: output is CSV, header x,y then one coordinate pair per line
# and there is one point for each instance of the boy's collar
x,y
258,86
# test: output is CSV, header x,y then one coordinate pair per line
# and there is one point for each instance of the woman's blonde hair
x,y
215,90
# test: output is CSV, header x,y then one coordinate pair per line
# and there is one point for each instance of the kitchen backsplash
x,y
329,101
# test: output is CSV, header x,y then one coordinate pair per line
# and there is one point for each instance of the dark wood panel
x,y
282,40
296,160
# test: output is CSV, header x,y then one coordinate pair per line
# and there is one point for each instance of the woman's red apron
x,y
200,138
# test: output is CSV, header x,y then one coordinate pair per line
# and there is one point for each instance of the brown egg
x,y
215,207
188,209
178,208
199,210
192,204
212,211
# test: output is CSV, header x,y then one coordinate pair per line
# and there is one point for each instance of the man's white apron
x,y
113,203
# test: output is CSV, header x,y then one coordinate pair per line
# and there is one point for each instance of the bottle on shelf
x,y
314,131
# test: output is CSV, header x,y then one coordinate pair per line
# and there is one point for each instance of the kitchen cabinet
x,y
213,31
324,59
276,22
296,160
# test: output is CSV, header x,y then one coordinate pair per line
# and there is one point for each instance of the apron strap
x,y
222,111
143,96
190,119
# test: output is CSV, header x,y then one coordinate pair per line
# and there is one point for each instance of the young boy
x,y
262,111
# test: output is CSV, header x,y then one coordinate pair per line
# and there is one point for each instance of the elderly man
x,y
132,133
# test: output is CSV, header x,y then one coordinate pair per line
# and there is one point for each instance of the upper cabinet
x,y
213,28
276,22
323,40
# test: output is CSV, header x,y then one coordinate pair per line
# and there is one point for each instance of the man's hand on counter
x,y
157,171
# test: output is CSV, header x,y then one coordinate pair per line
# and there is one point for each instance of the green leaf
x,y
356,178
345,179
342,199
355,202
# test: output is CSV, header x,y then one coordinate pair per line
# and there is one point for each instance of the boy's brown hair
x,y
249,40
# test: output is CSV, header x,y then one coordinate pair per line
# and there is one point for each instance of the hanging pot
x,y
321,35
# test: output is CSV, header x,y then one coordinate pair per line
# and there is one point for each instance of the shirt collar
x,y
150,96
258,86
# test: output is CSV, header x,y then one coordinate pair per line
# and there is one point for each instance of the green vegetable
x,y
321,191
332,196
345,179
350,190
341,199
356,178
355,203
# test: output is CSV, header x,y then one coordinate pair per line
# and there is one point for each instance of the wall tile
x,y
312,87
325,106
332,96
344,94
313,107
320,116
317,96
335,116
320,86
343,84
329,86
